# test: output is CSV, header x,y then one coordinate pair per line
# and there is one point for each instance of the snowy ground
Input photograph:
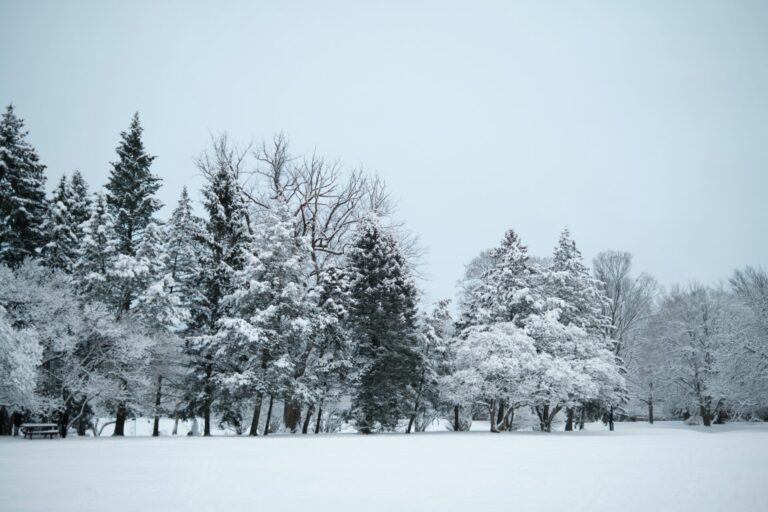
x,y
639,467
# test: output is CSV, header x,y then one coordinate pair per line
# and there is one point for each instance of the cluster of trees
x,y
290,304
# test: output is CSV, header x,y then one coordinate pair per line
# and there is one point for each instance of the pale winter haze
x,y
640,126
409,256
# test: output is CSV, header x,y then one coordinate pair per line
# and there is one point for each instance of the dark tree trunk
x,y
120,417
207,419
581,418
650,411
456,422
610,419
292,414
493,414
569,419
6,427
175,424
543,413
63,424
158,398
307,418
256,415
82,425
501,414
706,416
207,400
269,415
319,418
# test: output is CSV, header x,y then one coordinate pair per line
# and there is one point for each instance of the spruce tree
x,y
60,249
222,253
184,232
22,192
132,187
383,318
580,301
96,253
80,210
263,340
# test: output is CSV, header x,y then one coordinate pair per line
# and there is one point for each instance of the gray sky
x,y
640,125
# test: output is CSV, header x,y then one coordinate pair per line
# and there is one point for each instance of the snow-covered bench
x,y
40,429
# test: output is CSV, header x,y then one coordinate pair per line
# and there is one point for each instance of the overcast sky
x,y
642,126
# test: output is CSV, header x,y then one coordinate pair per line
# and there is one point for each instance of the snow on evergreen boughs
x,y
22,192
383,319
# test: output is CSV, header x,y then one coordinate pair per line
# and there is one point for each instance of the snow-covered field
x,y
639,467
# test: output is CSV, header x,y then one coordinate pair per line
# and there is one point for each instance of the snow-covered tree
x,y
383,318
184,232
132,187
223,251
97,253
265,337
435,335
22,192
61,230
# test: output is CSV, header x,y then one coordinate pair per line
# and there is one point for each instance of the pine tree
x,y
264,338
60,249
508,291
184,232
222,253
96,253
383,316
22,192
331,362
132,187
80,210
569,280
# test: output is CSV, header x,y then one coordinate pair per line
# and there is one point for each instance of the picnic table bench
x,y
40,429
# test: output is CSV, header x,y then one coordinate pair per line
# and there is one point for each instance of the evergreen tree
x,y
507,291
222,253
383,315
580,300
60,249
132,187
96,253
265,337
80,210
22,192
184,234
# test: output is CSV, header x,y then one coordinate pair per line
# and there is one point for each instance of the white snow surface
x,y
639,467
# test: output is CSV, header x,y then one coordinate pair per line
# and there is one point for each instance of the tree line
x,y
290,304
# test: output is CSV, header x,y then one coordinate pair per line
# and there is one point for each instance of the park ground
x,y
639,467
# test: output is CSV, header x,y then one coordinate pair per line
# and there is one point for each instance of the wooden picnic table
x,y
40,429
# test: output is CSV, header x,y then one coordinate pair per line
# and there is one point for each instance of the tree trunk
x,y
581,418
610,419
650,411
569,419
6,427
82,425
543,413
456,422
64,424
269,415
158,398
319,417
706,416
175,424
292,414
501,414
256,415
207,399
308,417
120,417
492,417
